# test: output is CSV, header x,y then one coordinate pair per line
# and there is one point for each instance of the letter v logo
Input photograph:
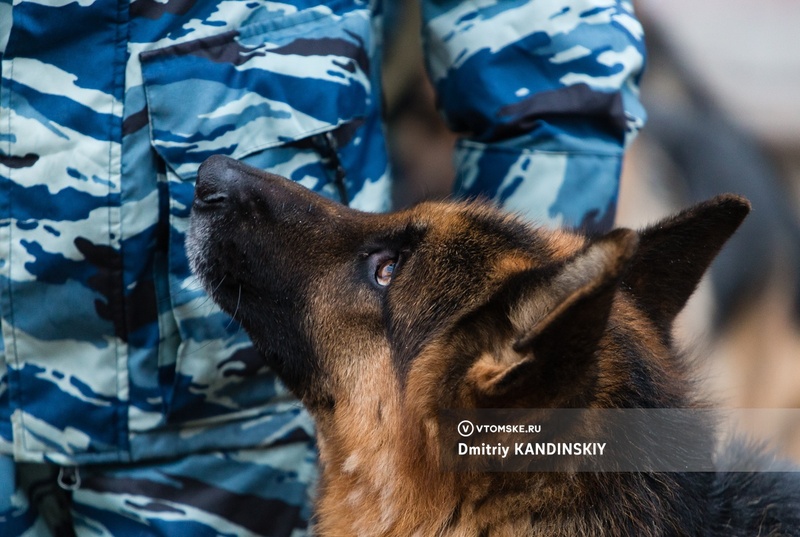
x,y
466,428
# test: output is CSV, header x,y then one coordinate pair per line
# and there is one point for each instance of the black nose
x,y
214,180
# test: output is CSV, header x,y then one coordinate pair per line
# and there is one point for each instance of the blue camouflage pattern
x,y
111,353
547,92
245,493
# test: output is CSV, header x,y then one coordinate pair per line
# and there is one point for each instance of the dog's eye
x,y
383,274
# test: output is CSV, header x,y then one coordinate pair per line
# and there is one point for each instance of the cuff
x,y
550,188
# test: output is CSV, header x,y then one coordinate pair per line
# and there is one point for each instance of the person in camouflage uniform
x,y
119,379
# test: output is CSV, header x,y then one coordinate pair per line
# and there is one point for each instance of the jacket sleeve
x,y
545,96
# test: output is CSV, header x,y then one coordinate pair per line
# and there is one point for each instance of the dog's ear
x,y
556,325
674,254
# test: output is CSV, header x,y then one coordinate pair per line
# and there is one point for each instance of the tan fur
x,y
481,311
382,473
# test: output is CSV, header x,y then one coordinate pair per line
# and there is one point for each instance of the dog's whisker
x,y
235,310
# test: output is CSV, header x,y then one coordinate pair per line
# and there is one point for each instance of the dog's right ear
x,y
555,323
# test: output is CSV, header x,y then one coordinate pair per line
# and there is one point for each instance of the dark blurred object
x,y
420,145
712,154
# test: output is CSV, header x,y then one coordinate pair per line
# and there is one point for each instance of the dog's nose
x,y
214,178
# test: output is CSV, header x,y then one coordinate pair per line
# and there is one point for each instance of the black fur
x,y
575,322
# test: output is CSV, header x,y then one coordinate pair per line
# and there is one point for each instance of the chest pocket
x,y
265,94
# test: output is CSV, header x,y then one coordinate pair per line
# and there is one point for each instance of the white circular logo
x,y
465,428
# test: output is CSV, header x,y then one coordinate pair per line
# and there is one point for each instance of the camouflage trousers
x,y
239,494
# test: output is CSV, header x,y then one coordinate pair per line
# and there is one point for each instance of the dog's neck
x,y
388,480
380,473
392,484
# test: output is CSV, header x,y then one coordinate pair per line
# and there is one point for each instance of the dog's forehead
x,y
453,223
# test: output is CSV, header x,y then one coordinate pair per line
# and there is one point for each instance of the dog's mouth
x,y
224,286
235,244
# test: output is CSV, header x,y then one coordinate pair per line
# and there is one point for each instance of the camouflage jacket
x,y
110,351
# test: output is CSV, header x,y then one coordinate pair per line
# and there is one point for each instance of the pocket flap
x,y
265,85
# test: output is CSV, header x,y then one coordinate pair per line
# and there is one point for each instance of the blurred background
x,y
722,91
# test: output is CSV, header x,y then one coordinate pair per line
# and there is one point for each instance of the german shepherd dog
x,y
378,322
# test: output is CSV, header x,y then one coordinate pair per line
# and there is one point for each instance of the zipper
x,y
328,148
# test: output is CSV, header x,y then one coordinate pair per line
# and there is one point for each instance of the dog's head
x,y
455,304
